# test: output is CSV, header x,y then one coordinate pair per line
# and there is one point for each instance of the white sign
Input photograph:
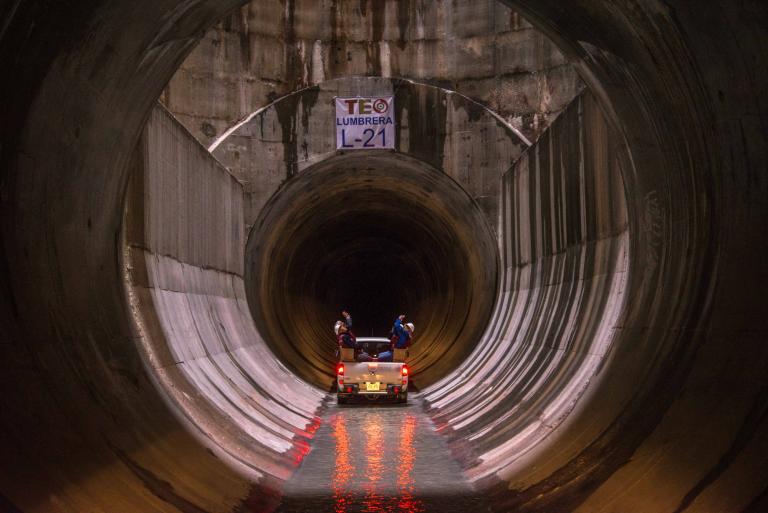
x,y
365,123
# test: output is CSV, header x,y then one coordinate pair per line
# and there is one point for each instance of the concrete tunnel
x,y
589,263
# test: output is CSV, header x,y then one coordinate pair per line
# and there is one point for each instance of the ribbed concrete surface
x,y
674,419
184,238
565,258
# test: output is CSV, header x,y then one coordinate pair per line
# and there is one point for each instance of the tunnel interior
x,y
609,376
379,235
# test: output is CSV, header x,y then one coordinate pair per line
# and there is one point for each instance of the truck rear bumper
x,y
354,389
398,392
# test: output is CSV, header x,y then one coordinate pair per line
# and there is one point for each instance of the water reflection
x,y
377,458
384,446
344,469
373,447
406,457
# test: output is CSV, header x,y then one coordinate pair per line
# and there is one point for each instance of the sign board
x,y
365,123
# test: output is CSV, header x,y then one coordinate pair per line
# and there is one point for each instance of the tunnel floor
x,y
379,458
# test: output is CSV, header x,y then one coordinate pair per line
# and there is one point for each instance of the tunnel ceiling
x,y
670,415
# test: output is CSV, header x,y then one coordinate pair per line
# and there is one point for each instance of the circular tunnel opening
x,y
379,235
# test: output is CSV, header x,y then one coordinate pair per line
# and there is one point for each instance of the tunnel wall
x,y
184,258
565,253
446,130
677,98
97,428
268,49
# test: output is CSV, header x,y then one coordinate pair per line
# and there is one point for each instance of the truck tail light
x,y
404,370
340,369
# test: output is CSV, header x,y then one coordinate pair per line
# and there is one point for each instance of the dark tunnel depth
x,y
379,235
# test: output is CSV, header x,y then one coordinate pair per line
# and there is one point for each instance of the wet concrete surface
x,y
379,458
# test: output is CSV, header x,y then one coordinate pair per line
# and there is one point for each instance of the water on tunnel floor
x,y
379,458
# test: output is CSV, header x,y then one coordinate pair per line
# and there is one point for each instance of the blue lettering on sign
x,y
362,121
344,140
371,133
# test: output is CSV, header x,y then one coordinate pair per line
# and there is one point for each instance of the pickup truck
x,y
370,379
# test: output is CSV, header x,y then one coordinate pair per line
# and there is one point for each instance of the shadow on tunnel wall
x,y
674,420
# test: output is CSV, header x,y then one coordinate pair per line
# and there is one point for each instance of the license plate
x,y
372,387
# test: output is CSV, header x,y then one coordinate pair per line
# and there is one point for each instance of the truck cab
x,y
360,374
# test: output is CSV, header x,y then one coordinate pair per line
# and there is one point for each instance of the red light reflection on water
x,y
406,457
386,484
374,456
344,469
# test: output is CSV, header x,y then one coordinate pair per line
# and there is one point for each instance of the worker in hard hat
x,y
400,337
344,336
409,328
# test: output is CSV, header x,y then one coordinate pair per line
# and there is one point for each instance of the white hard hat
x,y
409,325
336,327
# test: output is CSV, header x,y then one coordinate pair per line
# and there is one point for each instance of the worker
x,y
347,318
363,356
345,338
400,336
409,327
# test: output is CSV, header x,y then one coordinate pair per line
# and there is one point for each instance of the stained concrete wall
x,y
446,130
565,254
184,254
267,49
